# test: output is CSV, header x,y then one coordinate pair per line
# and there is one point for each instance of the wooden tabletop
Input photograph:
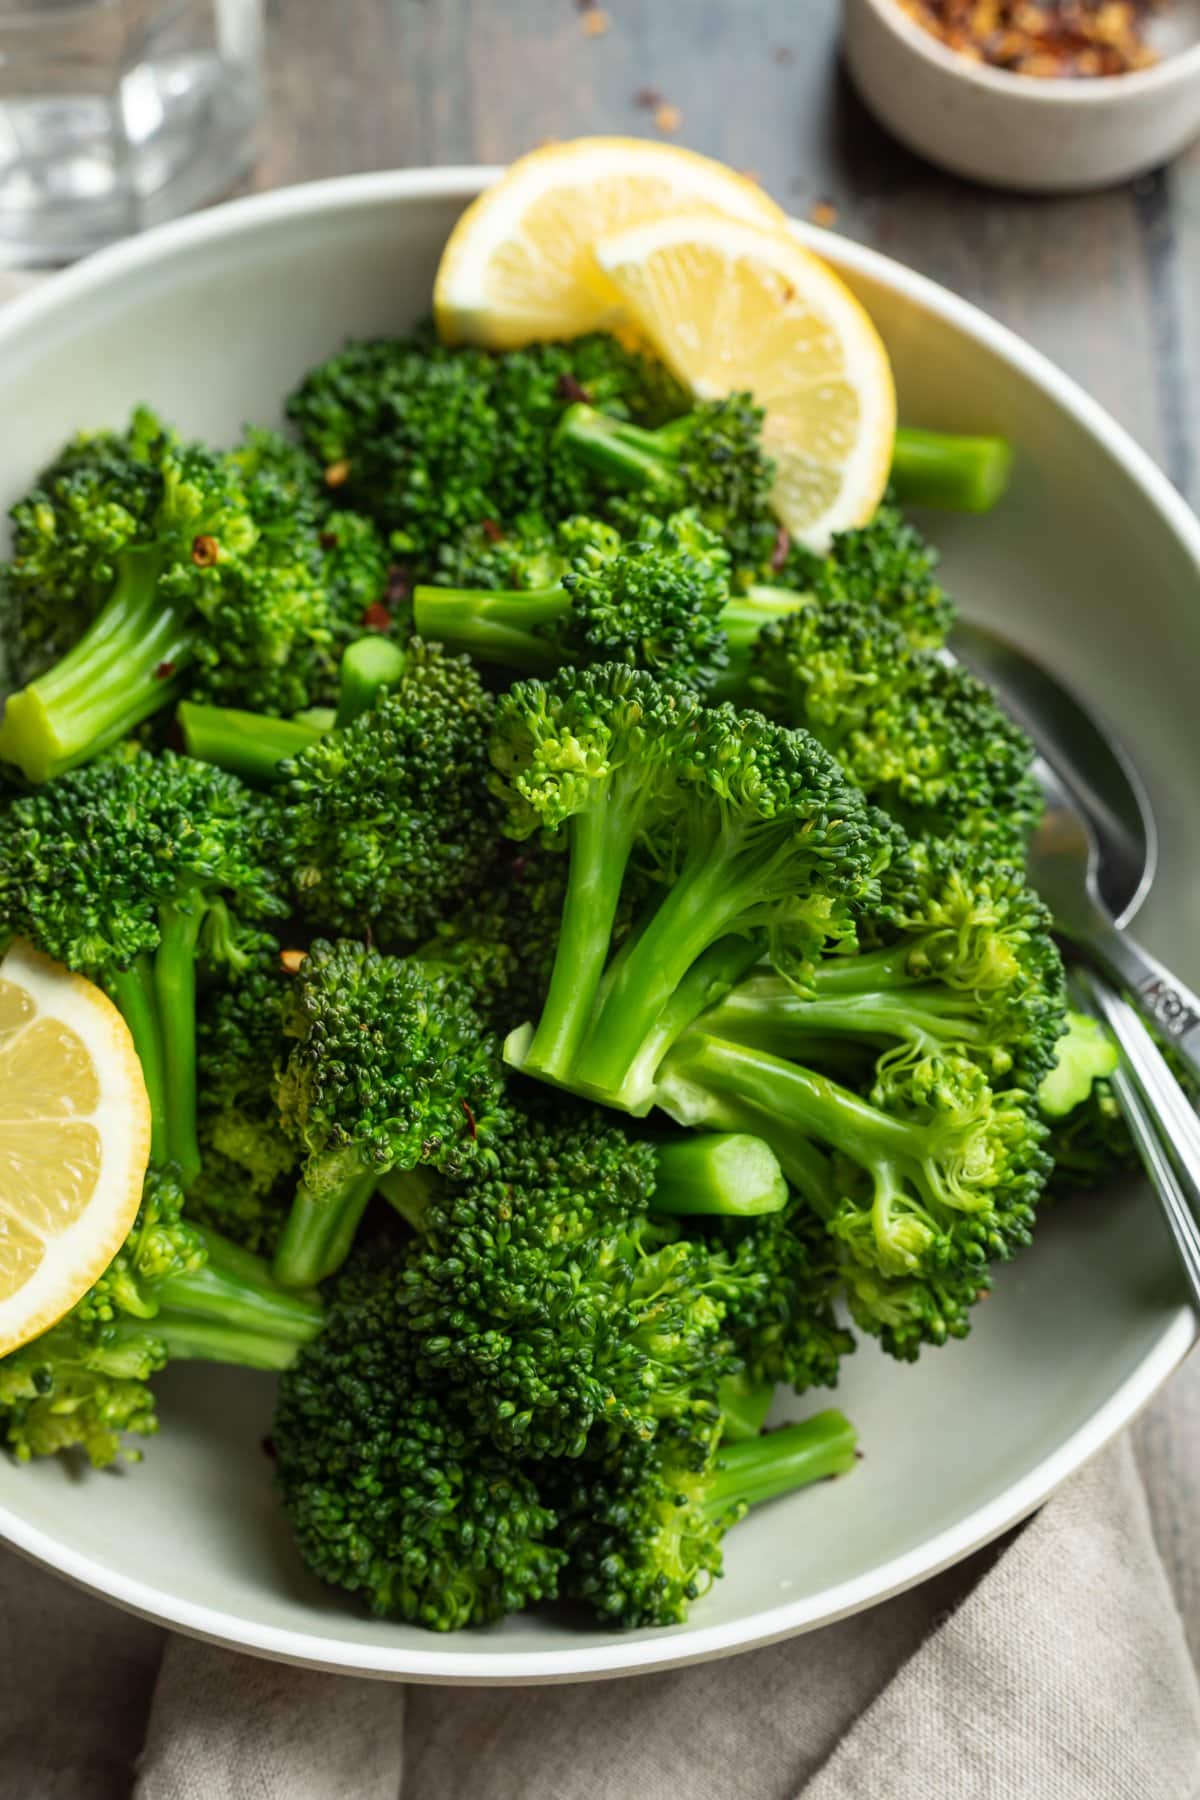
x,y
1108,285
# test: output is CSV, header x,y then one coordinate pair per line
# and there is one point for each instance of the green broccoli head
x,y
388,824
173,566
390,1494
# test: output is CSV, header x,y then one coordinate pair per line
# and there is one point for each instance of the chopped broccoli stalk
x,y
1084,1055
249,744
370,665
944,469
778,1462
744,1405
728,1173
515,628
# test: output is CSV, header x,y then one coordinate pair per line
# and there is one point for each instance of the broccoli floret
x,y
963,964
548,1300
920,1183
117,869
711,458
434,442
248,1163
390,1494
652,600
756,834
173,1291
389,823
177,568
503,942
642,1527
787,1332
391,1066
923,738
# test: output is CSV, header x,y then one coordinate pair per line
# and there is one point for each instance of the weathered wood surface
x,y
1108,285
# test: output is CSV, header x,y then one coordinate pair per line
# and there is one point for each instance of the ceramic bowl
x,y
1092,560
1014,131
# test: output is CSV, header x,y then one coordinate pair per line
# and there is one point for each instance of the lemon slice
x,y
74,1140
519,265
732,307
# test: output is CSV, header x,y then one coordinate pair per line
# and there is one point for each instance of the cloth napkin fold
x,y
1054,1667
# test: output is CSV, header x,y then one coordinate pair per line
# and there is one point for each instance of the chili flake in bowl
x,y
1054,39
1043,96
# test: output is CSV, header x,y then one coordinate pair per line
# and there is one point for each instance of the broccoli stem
x,y
133,991
119,672
793,1100
959,474
726,1173
767,1012
175,991
625,453
369,665
601,840
319,1231
409,1191
744,1406
719,881
514,628
248,744
778,1462
805,1166
236,1288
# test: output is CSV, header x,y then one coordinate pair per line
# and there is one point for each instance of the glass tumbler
x,y
116,114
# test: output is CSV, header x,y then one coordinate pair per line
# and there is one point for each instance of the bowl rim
x,y
624,1656
1171,70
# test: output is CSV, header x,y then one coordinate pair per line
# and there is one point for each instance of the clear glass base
x,y
174,129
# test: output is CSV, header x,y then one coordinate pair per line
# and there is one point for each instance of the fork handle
x,y
1162,999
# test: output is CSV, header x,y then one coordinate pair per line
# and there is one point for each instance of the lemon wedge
x,y
733,307
519,268
74,1140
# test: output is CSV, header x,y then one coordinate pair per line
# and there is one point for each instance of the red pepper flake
x,y
471,1125
338,473
376,617
491,531
205,551
328,540
595,22
399,584
568,387
668,118
267,1446
290,961
783,544
164,671
649,97
823,212
783,54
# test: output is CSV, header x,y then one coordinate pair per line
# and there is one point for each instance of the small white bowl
x,y
1019,131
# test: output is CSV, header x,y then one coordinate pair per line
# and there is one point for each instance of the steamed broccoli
x,y
172,1291
652,599
548,1298
248,1163
434,442
389,823
755,832
391,1066
175,568
119,869
642,1526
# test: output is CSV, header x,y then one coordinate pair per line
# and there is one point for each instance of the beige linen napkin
x,y
1056,1668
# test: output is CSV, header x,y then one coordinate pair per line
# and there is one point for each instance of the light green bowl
x,y
1093,561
